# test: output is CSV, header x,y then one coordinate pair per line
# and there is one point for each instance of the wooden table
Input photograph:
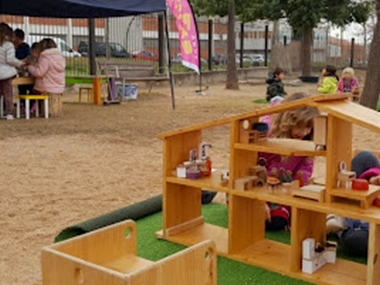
x,y
22,81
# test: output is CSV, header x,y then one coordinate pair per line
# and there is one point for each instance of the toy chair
x,y
90,94
27,99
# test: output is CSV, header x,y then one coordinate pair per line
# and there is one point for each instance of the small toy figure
x,y
283,177
274,172
289,176
300,178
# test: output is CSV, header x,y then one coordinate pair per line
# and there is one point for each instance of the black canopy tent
x,y
88,9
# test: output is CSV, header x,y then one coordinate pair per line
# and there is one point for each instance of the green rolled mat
x,y
134,212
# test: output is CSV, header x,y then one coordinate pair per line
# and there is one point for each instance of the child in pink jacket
x,y
49,72
348,82
292,124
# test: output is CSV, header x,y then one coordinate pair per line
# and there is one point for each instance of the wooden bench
x,y
130,71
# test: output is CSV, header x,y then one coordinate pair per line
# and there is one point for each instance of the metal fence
x,y
138,38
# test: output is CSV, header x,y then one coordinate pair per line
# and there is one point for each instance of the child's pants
x,y
6,90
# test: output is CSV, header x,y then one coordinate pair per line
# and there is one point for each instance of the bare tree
x,y
232,78
372,83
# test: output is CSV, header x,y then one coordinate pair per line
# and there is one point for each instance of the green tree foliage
x,y
302,15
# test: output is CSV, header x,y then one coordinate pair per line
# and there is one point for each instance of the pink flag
x,y
187,33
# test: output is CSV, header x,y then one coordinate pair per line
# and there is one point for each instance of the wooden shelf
x,y
275,256
212,182
287,147
364,197
201,233
342,209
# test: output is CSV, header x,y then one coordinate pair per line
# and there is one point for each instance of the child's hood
x,y
56,58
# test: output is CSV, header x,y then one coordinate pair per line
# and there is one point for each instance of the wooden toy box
x,y
108,256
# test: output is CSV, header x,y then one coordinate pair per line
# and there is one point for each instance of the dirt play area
x,y
95,159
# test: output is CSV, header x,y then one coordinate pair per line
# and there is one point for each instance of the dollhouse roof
x,y
336,105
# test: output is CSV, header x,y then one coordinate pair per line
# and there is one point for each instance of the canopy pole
x,y
169,60
91,45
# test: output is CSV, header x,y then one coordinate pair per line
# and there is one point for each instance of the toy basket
x,y
130,91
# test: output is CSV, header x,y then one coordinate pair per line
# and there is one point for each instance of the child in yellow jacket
x,y
330,80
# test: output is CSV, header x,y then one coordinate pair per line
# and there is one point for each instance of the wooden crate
x,y
108,256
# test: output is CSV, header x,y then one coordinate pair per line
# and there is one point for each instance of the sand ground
x,y
96,159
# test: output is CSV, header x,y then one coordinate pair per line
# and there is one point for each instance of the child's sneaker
x,y
9,117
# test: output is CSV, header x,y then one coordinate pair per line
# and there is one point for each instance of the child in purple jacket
x,y
293,124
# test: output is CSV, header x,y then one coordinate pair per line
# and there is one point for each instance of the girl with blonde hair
x,y
348,82
292,124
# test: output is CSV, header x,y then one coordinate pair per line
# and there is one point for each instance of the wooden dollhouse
x,y
244,240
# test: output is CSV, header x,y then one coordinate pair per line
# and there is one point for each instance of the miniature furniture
x,y
108,256
244,240
89,91
27,99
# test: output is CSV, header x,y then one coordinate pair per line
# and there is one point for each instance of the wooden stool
x,y
27,99
90,95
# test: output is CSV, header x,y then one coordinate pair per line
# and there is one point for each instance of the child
x,y
49,72
275,85
292,124
8,64
348,83
354,233
330,80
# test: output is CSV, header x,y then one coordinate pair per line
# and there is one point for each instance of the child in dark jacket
x,y
275,85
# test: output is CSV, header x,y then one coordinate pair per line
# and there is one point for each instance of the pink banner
x,y
187,32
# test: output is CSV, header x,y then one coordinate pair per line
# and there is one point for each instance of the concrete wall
x,y
214,77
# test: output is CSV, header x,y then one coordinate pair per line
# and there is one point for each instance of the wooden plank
x,y
348,210
310,101
267,254
181,204
199,234
193,266
213,182
128,264
184,226
240,160
373,271
287,147
373,190
246,222
80,247
249,115
63,269
305,224
354,113
23,81
339,148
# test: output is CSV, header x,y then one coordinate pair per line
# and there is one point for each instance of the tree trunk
x,y
371,89
232,79
306,46
274,42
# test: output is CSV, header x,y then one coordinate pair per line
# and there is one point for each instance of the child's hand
x,y
267,213
23,63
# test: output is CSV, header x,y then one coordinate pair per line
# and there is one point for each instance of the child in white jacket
x,y
8,64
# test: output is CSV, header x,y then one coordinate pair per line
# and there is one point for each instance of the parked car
x,y
177,59
145,55
116,49
65,50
